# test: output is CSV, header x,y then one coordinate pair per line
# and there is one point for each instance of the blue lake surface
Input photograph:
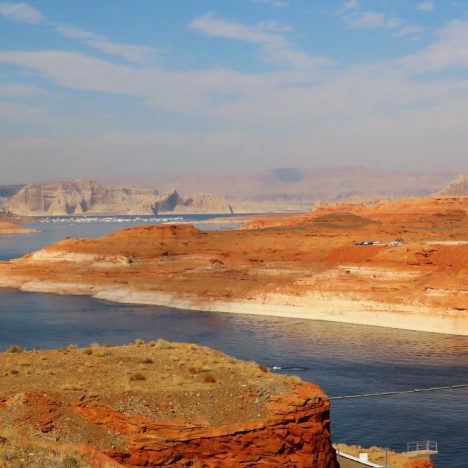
x,y
343,359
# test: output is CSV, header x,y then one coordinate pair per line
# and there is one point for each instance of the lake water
x,y
343,359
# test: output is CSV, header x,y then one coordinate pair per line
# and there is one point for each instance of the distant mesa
x,y
342,219
456,188
84,197
279,190
288,174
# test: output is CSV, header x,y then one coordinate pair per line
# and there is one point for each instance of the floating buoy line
x,y
400,392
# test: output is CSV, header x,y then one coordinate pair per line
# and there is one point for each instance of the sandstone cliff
x,y
81,197
458,187
313,266
160,404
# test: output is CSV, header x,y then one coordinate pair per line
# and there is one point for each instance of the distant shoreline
x,y
318,306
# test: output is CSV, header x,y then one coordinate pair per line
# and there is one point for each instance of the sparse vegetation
x,y
163,344
15,349
18,452
136,377
209,378
296,380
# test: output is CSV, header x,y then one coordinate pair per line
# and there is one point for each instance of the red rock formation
x,y
296,434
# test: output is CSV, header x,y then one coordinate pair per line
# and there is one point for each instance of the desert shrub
x,y
137,376
72,346
163,344
147,360
139,341
3,440
295,379
263,368
71,462
15,349
209,379
14,371
88,351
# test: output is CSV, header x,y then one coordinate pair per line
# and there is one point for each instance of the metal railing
x,y
422,446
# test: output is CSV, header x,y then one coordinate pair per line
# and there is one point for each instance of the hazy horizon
x,y
168,177
118,89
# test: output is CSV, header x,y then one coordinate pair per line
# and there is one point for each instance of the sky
x,y
111,88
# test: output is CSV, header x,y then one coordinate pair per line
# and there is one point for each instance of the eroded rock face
x,y
79,197
458,187
296,434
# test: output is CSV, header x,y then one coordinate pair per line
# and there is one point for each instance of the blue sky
x,y
119,87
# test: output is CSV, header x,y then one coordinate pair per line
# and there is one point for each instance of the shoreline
x,y
317,306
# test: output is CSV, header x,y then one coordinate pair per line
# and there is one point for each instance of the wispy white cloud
x,y
349,5
355,18
133,53
409,29
365,19
449,51
425,6
275,26
13,89
21,12
275,46
326,111
274,3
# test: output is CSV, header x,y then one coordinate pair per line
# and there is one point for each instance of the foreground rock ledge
x,y
158,404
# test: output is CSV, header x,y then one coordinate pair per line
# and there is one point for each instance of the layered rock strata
x,y
401,265
82,197
165,404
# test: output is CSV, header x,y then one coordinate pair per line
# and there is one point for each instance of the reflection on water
x,y
343,359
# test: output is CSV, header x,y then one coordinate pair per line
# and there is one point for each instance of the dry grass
x,y
29,452
163,344
137,376
14,349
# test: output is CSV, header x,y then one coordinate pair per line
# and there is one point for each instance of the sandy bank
x,y
313,306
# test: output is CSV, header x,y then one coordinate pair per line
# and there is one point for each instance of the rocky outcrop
x,y
295,434
206,203
7,227
186,406
81,197
458,187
